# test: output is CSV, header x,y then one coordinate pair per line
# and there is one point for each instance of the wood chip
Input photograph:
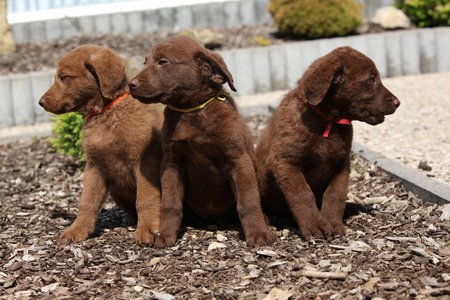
x,y
435,291
267,253
278,294
324,275
114,259
401,238
374,200
370,285
276,264
216,245
162,296
445,212
50,287
422,252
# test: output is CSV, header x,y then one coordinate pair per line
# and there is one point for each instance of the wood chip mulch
x,y
399,249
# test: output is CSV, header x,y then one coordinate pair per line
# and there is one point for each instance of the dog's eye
x,y
371,79
163,62
63,77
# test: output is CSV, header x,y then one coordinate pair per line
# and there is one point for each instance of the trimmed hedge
x,y
316,19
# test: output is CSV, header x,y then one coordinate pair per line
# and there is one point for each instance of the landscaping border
x,y
264,69
424,187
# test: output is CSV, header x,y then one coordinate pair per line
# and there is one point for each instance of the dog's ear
x,y
319,77
109,71
214,68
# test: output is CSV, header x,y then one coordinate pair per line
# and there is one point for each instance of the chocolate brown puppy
x,y
121,140
303,156
208,157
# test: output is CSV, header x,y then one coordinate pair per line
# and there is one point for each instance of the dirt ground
x,y
400,249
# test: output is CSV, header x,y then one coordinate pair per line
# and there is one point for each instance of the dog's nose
x,y
42,102
133,83
396,102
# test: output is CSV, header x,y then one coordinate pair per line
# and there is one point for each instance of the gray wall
x,y
263,69
216,14
15,6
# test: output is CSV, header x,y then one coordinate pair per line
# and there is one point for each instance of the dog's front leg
x,y
172,188
333,200
148,204
245,187
301,201
92,198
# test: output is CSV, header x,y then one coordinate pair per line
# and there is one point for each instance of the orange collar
x,y
107,106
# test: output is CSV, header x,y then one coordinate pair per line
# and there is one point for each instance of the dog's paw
x,y
163,240
73,235
144,237
338,227
335,221
318,229
260,238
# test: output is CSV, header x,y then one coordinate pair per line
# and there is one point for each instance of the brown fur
x,y
122,145
208,154
298,168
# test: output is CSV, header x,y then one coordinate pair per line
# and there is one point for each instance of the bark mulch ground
x,y
400,249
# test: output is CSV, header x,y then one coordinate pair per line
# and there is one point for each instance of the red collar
x,y
323,116
107,106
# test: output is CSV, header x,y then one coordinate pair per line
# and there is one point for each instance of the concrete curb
x,y
4,140
426,188
24,133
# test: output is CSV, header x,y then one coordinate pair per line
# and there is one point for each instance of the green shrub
x,y
69,135
426,13
316,18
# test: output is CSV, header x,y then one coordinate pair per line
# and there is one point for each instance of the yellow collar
x,y
220,96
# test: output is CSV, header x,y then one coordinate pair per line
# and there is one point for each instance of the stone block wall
x,y
264,69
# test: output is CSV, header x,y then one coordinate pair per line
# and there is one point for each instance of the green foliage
x,y
316,18
262,41
426,13
69,131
